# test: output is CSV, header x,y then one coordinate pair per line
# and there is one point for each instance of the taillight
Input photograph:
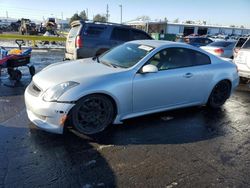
x,y
79,43
219,51
186,40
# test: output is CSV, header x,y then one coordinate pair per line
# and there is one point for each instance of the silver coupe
x,y
133,79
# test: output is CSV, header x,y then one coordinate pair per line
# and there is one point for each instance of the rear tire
x,y
32,70
219,94
92,114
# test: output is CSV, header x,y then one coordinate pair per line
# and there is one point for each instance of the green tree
x,y
75,17
99,18
83,15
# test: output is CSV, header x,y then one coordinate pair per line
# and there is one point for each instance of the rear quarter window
x,y
139,35
94,31
74,31
199,58
120,34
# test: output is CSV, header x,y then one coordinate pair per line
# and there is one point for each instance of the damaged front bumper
x,y
49,116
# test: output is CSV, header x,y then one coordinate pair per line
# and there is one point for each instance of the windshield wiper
x,y
108,64
96,58
120,66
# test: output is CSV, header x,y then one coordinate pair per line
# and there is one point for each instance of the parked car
x,y
238,45
221,48
136,78
242,60
88,39
197,41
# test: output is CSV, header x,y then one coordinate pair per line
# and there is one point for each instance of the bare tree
x,y
75,17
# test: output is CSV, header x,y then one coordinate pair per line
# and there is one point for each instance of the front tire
x,y
219,94
92,114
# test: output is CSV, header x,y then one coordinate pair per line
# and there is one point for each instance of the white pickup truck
x,y
242,60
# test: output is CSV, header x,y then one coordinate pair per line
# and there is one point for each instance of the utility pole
x,y
87,13
107,13
121,13
62,21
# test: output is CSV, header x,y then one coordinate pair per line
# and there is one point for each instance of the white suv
x,y
242,60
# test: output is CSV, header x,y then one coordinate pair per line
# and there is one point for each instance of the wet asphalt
x,y
191,147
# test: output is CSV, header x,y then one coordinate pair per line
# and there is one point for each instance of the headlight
x,y
53,93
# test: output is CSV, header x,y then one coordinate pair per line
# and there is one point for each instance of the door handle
x,y
188,75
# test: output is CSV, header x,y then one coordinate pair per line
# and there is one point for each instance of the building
x,y
186,28
6,21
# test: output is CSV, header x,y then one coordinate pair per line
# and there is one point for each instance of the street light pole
x,y
121,13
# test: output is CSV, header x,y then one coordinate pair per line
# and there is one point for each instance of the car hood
x,y
71,71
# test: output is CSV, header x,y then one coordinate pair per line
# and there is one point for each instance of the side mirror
x,y
149,69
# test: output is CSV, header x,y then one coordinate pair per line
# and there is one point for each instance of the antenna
x,y
107,13
121,12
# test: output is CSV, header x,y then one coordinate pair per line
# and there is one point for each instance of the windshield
x,y
247,44
125,55
221,43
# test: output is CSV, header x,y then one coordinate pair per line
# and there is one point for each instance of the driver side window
x,y
171,58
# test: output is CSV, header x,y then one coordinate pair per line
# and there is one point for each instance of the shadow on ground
x,y
33,158
12,88
174,127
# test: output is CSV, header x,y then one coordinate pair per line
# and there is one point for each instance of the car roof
x,y
158,43
81,22
196,37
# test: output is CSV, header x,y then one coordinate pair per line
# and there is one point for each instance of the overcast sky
x,y
223,12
